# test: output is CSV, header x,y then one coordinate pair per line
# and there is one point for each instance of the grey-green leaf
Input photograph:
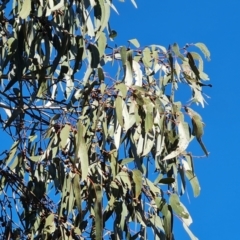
x,y
194,183
134,42
26,9
118,105
204,49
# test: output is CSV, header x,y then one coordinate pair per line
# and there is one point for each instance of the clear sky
x,y
216,211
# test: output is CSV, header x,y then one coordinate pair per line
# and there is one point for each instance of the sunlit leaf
x,y
25,10
194,183
134,42
81,151
12,152
204,49
64,135
118,106
176,206
49,224
189,232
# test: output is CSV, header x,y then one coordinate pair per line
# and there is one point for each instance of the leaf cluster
x,y
94,155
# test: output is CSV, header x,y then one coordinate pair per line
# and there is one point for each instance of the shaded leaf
x,y
95,55
98,212
113,34
137,178
168,180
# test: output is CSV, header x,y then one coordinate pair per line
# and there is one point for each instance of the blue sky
x,y
216,23
216,211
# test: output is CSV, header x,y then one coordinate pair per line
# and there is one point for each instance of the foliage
x,y
94,155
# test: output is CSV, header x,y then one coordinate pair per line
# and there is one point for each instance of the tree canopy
x,y
95,154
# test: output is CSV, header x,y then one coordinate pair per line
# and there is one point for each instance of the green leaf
x,y
98,212
16,161
123,53
94,54
15,114
80,52
175,49
113,34
49,224
101,75
204,49
102,9
113,162
196,56
118,106
168,218
148,122
194,183
102,43
77,192
26,9
157,221
126,161
82,151
123,89
155,190
12,152
176,206
147,59
168,180
137,179
134,42
69,85
35,158
64,135
148,142
12,44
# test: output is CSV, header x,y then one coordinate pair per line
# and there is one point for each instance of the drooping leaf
x,y
137,178
176,50
123,53
77,192
123,89
95,56
12,152
176,206
64,135
204,49
98,212
49,224
189,232
102,42
25,10
118,106
194,183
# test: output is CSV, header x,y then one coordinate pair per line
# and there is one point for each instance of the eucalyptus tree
x,y
94,154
